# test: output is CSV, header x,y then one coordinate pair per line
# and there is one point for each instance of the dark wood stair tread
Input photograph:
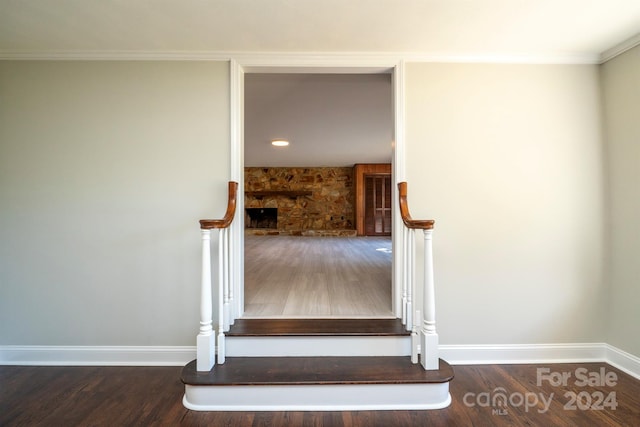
x,y
317,327
316,370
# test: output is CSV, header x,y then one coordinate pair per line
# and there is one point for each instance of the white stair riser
x,y
317,346
321,397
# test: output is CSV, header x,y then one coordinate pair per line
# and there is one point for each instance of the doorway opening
x,y
240,154
312,262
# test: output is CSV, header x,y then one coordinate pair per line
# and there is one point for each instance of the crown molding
x,y
620,48
114,55
512,58
310,59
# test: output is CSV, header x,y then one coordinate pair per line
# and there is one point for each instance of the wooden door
x,y
377,211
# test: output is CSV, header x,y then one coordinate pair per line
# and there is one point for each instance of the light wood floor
x,y
300,276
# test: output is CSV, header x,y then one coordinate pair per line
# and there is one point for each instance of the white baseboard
x,y
454,354
522,353
541,353
622,360
96,355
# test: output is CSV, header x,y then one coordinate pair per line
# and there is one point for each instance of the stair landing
x,y
316,383
317,327
316,370
317,364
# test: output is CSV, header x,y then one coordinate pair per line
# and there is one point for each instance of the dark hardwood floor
x,y
317,327
151,396
317,370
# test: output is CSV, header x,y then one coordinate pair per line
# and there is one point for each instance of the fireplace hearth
x,y
262,218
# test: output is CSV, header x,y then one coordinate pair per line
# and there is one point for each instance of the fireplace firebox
x,y
262,218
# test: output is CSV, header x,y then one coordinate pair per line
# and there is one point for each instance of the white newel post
x,y
205,347
428,335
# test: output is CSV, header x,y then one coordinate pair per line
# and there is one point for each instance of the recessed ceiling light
x,y
279,143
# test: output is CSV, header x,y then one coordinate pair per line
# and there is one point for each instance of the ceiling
x,y
329,119
441,28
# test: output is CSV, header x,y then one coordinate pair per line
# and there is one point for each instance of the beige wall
x,y
105,169
507,159
621,93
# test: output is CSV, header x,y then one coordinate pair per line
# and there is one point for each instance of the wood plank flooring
x,y
152,396
301,276
317,327
316,370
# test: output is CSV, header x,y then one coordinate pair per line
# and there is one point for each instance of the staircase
x,y
317,364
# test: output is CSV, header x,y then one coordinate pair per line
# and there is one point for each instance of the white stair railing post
x,y
428,334
415,338
408,280
206,338
226,283
230,280
405,275
428,337
411,318
221,292
412,277
205,343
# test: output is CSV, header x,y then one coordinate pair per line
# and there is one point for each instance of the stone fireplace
x,y
305,201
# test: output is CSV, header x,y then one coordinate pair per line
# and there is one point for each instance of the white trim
x,y
280,62
49,355
318,397
312,59
453,354
622,360
331,63
236,170
501,58
620,48
522,353
345,346
114,56
398,174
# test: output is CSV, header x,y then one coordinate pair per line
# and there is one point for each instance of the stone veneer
x,y
327,211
